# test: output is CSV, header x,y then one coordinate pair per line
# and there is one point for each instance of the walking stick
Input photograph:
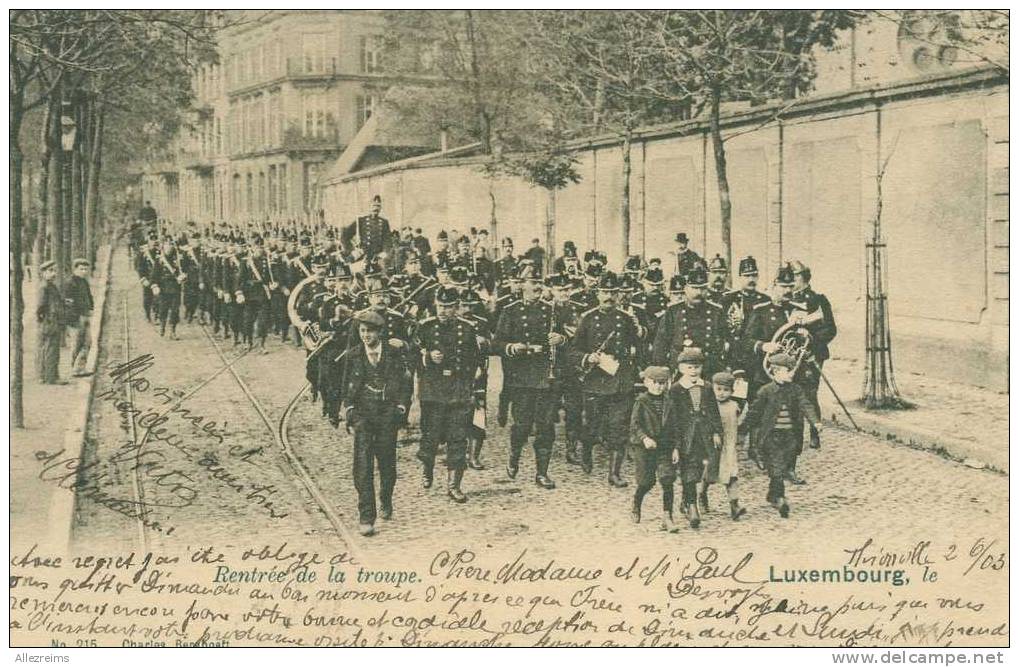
x,y
833,393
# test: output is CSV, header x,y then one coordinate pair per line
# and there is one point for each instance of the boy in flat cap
x,y
776,419
653,440
50,315
700,426
723,465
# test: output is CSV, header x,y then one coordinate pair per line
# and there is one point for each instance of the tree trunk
x,y
625,204
55,196
92,187
17,275
77,223
44,229
550,238
722,175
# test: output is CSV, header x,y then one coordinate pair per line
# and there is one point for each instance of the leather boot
x,y
783,507
668,525
474,455
736,510
693,515
455,477
635,510
513,465
793,478
702,499
587,462
428,473
615,467
572,453
815,438
542,479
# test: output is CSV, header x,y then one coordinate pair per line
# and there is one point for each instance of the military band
x,y
384,318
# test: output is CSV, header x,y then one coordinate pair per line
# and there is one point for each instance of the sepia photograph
x,y
486,328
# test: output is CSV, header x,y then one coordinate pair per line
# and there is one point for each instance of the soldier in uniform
x,y
606,348
167,279
685,259
450,363
472,309
191,266
737,305
376,396
677,284
334,316
146,266
650,304
694,323
368,237
807,305
308,307
716,283
506,266
255,295
523,338
567,384
396,329
568,263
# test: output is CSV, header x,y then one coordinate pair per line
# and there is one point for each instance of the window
x,y
272,187
284,204
318,55
273,131
371,54
365,109
318,118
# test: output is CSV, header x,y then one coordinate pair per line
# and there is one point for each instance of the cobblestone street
x,y
857,485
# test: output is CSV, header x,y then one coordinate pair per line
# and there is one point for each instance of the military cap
x,y
628,283
656,373
443,235
371,318
782,359
48,264
723,379
654,276
608,282
593,256
632,263
447,296
594,269
654,261
79,261
677,283
717,264
697,277
570,249
748,266
785,276
377,199
507,242
469,297
319,261
800,269
557,281
258,240
463,239
681,237
397,283
691,355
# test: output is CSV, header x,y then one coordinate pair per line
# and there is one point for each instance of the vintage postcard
x,y
486,328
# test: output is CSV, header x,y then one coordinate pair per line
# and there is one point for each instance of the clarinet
x,y
551,348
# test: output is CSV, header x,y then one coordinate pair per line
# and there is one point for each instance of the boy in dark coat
x,y
700,427
776,419
50,315
653,439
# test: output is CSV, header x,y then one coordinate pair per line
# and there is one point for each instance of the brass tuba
x,y
794,339
311,333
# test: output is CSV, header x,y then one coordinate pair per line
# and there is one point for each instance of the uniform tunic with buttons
x,y
765,319
452,379
691,325
737,306
527,323
373,233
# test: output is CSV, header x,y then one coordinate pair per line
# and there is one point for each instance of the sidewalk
x,y
962,422
55,418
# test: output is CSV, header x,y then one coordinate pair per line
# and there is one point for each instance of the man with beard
x,y
684,258
737,305
693,323
523,338
605,347
716,284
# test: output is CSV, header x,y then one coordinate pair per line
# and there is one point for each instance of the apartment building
x,y
289,91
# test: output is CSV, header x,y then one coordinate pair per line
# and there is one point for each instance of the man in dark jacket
x,y
50,315
376,398
79,304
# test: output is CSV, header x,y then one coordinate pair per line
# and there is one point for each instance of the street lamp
x,y
68,131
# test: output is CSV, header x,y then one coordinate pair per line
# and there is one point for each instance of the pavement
x,y
960,421
856,482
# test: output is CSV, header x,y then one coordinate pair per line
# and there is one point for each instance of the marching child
x,y
652,443
723,465
776,418
699,425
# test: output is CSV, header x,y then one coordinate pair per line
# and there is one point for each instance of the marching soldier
x,y
368,237
506,266
255,294
308,305
376,397
737,305
334,317
473,310
568,263
606,348
450,363
813,310
694,323
167,280
191,266
525,337
649,305
685,259
677,284
567,384
146,267
716,285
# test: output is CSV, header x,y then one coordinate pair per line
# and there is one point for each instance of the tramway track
x,y
137,488
281,436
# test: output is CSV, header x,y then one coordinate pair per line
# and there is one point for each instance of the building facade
x,y
289,91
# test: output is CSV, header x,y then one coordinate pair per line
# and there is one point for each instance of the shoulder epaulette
x,y
731,292
712,303
763,304
797,304
589,311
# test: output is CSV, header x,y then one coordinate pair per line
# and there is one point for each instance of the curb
x,y
63,506
962,451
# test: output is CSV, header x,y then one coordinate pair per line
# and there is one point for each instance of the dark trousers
x,y
573,409
533,410
192,297
255,322
169,307
374,442
607,418
330,378
649,464
778,453
444,422
279,316
48,357
236,317
148,302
